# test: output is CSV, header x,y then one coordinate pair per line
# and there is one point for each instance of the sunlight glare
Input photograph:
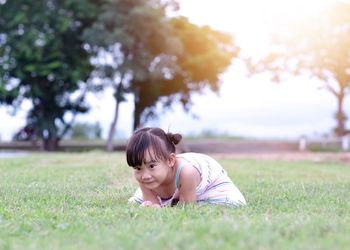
x,y
226,13
251,21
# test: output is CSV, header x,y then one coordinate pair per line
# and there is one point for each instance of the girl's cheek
x,y
136,175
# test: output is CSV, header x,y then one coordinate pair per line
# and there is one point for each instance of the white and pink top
x,y
215,186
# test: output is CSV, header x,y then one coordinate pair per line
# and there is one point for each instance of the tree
x,y
132,33
319,47
205,54
164,59
43,59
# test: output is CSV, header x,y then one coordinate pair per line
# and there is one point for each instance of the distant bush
x,y
85,131
212,134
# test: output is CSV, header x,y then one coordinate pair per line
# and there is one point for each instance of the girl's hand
x,y
149,204
146,204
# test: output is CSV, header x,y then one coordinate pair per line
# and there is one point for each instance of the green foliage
x,y
206,52
43,59
86,131
144,36
212,134
165,59
69,201
204,55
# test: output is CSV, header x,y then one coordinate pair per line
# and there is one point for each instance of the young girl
x,y
166,178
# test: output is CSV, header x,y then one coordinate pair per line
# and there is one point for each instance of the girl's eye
x,y
152,166
137,169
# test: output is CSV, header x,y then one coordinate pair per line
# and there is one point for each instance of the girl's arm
x,y
148,196
188,181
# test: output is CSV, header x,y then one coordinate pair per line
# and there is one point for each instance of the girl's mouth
x,y
148,182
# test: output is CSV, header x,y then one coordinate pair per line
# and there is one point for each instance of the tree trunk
x,y
50,136
112,128
118,96
137,115
50,144
340,129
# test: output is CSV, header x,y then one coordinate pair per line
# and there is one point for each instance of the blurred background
x,y
88,72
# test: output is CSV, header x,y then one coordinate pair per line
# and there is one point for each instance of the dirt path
x,y
290,156
263,150
237,146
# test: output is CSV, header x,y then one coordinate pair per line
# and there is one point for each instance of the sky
x,y
245,106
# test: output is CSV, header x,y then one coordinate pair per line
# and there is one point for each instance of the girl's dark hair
x,y
150,139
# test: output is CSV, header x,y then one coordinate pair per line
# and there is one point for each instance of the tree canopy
x,y
132,33
43,59
165,58
204,55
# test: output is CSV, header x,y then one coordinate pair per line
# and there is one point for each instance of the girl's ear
x,y
172,160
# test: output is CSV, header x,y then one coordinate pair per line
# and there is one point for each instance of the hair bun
x,y
174,138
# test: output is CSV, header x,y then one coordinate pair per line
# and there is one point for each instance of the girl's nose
x,y
145,176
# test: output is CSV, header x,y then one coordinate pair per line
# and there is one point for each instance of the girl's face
x,y
153,173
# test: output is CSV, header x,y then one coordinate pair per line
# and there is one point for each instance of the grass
x,y
79,201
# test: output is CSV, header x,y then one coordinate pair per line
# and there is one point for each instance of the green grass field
x,y
79,201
